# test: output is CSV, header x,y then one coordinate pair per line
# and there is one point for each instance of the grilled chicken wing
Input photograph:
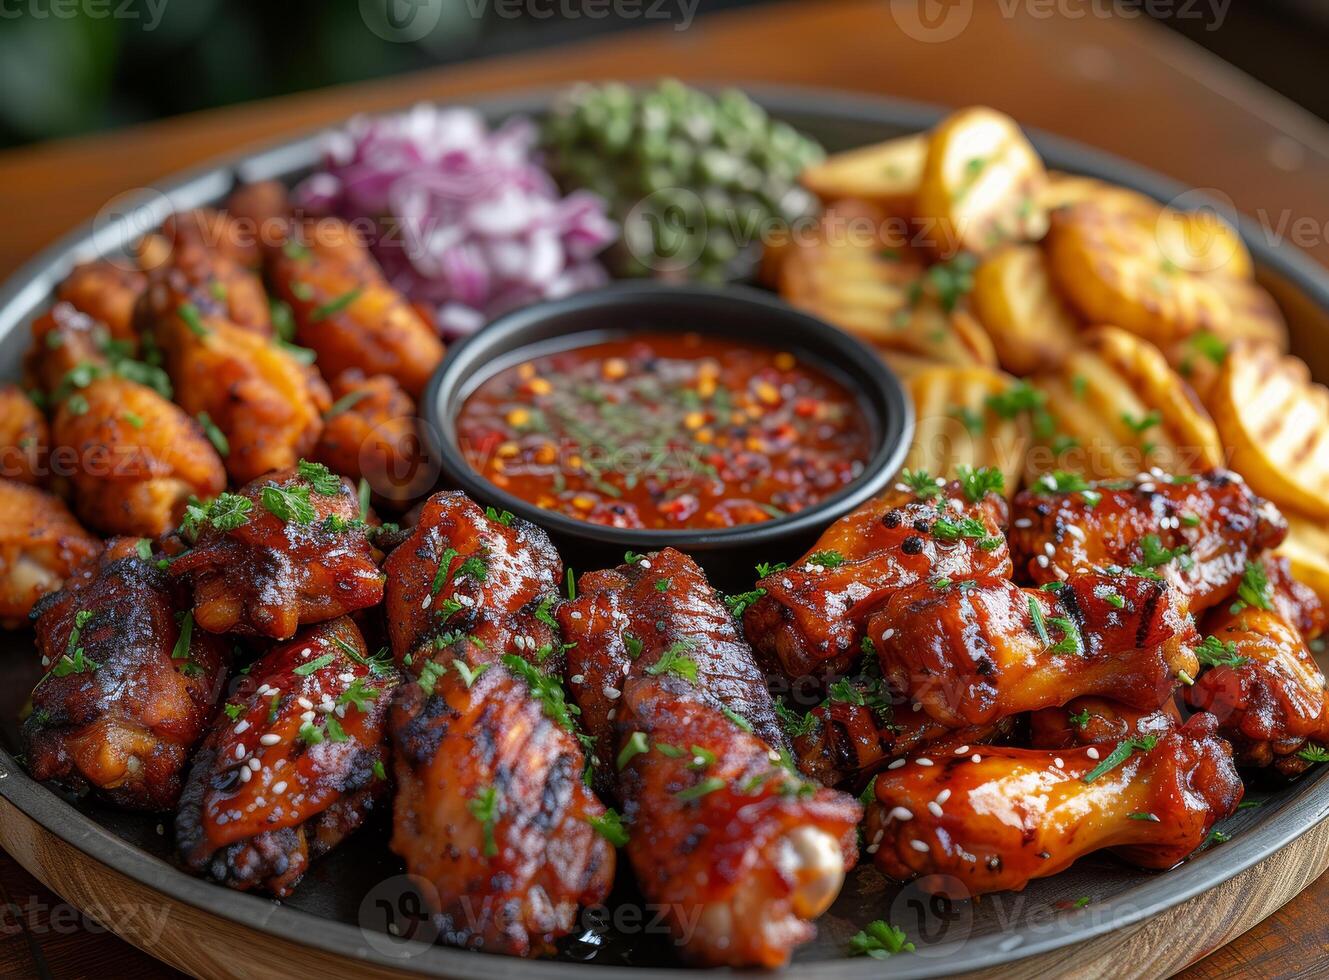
x,y
218,256
107,292
1261,683
846,743
372,432
491,807
294,764
64,340
810,619
286,551
41,544
25,438
130,685
1090,720
460,566
1197,533
661,608
1295,603
975,651
138,458
995,819
260,396
740,850
346,310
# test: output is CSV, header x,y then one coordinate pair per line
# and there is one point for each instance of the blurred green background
x,y
74,66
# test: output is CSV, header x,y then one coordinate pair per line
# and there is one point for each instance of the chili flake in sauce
x,y
666,431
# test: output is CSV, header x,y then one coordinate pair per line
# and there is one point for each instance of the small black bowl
x,y
727,554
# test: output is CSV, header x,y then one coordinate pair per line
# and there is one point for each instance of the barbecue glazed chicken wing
x,y
41,545
346,310
491,807
25,438
371,433
1296,604
1090,720
721,830
1197,533
217,256
810,618
992,819
975,651
293,765
1263,686
107,292
268,405
130,685
139,457
287,550
131,458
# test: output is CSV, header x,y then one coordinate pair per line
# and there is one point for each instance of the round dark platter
x,y
342,917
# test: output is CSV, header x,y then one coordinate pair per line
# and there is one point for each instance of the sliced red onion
x,y
466,219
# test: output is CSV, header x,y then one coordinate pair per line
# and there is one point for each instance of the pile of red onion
x,y
467,220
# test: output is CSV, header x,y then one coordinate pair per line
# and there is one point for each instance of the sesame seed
x,y
429,600
1049,549
239,751
975,758
307,716
255,765
872,848
306,651
578,678
262,690
900,813
243,727
924,761
611,692
934,808
1075,532
304,702
962,750
245,775
645,563
1092,753
919,846
575,614
1059,762
271,738
944,795
886,635
1023,522
279,786
1043,561
896,763
1146,488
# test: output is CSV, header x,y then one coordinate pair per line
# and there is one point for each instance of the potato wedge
x,y
1307,551
1031,327
1275,424
981,184
1062,190
1158,273
1116,408
882,292
957,423
885,174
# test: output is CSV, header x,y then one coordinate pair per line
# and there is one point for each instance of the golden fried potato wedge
x,y
1116,408
1158,273
1031,327
1062,190
885,174
1275,424
882,292
1307,551
981,184
960,419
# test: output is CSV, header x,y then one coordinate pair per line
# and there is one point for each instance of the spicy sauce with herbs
x,y
666,431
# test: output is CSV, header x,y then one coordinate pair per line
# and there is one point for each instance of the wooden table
x,y
1127,86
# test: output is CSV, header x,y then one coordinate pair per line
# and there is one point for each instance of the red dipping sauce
x,y
666,431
